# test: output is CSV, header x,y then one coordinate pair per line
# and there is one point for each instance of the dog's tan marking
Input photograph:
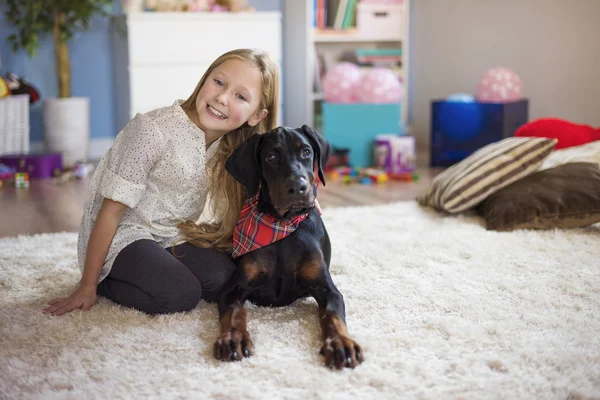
x,y
332,324
252,270
234,317
311,270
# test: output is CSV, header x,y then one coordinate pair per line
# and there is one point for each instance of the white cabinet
x,y
301,40
160,57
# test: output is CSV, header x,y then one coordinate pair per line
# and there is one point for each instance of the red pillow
x,y
567,133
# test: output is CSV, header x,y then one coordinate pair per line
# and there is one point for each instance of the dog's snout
x,y
297,186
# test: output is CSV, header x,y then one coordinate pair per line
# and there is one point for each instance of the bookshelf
x,y
302,41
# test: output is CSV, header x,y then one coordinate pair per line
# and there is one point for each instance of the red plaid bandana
x,y
255,229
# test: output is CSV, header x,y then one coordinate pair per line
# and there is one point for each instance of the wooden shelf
x,y
347,36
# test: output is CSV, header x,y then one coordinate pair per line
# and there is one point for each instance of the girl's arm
x,y
101,236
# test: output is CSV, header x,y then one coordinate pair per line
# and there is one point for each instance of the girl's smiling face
x,y
230,97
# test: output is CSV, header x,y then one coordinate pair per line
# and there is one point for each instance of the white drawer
x,y
186,38
380,21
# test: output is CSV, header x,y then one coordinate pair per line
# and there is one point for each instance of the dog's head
x,y
281,163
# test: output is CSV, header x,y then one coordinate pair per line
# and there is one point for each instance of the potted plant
x,y
66,118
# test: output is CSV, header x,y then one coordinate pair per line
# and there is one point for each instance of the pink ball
x,y
340,83
499,85
380,85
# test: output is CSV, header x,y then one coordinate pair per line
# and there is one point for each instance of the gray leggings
x,y
148,277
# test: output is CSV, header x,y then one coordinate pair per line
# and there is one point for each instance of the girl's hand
x,y
82,299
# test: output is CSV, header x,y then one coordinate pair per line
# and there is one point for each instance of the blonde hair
x,y
228,195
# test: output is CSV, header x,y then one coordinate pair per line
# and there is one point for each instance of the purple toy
x,y
39,166
395,154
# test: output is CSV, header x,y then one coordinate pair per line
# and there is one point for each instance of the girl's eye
x,y
218,82
271,158
306,152
242,97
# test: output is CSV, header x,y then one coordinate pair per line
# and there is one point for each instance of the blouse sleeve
x,y
136,150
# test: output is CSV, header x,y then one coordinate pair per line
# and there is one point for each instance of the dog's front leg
x,y
234,340
338,348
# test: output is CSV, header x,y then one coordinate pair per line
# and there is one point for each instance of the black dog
x,y
281,164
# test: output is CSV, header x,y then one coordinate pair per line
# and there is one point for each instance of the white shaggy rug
x,y
443,310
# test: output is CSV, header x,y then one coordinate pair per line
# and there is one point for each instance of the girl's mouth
x,y
215,113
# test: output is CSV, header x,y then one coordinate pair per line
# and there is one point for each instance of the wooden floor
x,y
47,207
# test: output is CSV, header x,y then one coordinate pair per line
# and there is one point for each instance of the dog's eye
x,y
306,152
271,158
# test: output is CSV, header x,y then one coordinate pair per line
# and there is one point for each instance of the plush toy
x,y
18,85
235,5
568,133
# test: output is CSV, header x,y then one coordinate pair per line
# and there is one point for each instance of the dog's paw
x,y
233,345
341,352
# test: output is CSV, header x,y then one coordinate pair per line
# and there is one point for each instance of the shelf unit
x,y
300,40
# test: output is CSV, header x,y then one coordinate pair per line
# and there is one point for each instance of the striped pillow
x,y
466,184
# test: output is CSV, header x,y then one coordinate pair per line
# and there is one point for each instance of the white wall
x,y
553,45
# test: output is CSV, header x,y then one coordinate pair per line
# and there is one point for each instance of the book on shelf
x,y
334,14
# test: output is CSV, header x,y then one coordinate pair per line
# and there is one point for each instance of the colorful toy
x,y
22,180
405,176
499,85
380,85
365,176
6,173
341,83
395,153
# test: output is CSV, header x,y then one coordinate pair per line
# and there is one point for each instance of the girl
x,y
157,174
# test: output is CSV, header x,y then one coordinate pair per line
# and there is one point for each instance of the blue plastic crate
x,y
354,126
459,129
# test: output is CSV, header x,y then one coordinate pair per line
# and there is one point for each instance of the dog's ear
x,y
321,147
243,164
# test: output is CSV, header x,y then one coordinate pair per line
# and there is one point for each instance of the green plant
x,y
34,18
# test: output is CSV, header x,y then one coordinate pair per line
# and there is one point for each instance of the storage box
x,y
14,124
395,154
39,166
379,21
459,129
355,127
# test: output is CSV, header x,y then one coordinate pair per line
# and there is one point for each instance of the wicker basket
x,y
14,124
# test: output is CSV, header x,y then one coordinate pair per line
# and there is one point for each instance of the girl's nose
x,y
222,98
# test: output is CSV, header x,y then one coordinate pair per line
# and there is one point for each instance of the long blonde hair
x,y
226,194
